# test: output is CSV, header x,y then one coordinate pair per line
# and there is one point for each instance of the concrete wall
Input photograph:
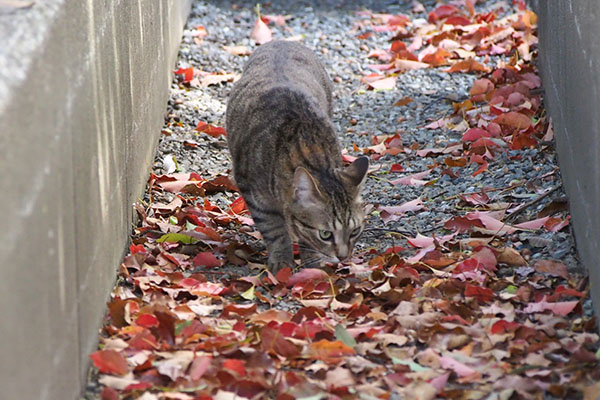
x,y
570,67
83,90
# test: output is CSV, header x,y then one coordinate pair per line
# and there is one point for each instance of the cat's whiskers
x,y
321,257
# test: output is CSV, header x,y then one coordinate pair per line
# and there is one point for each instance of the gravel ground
x,y
331,28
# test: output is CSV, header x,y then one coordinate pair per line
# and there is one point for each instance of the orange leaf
x,y
438,58
329,352
469,65
211,130
238,206
403,101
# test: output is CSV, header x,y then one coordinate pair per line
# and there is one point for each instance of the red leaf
x,y
462,224
188,73
524,140
283,275
237,366
137,248
274,342
482,294
475,133
238,206
147,320
457,20
502,326
110,362
206,259
109,393
141,386
486,257
441,12
219,183
211,130
144,340
396,168
307,274
565,291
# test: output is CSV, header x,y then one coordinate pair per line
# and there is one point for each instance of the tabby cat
x,y
287,159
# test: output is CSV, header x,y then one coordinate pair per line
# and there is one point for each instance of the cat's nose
x,y
342,252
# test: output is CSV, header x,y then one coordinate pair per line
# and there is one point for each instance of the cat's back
x,y
283,70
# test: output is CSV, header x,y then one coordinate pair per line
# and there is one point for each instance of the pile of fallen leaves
x,y
466,316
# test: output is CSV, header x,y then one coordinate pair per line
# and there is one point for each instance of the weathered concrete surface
x,y
570,67
83,88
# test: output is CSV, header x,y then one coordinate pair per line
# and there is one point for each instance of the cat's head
x,y
327,215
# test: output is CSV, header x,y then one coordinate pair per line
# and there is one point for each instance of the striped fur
x,y
287,158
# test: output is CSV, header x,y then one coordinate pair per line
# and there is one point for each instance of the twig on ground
x,y
531,203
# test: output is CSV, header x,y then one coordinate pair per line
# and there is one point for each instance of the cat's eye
x,y
355,231
325,235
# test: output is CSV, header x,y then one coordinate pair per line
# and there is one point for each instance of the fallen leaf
x,y
388,83
456,366
110,362
238,50
412,180
514,120
510,256
214,79
403,101
469,65
211,130
559,308
552,268
307,274
482,294
393,213
329,352
188,73
261,33
206,259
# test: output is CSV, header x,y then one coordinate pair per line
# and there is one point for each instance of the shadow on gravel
x,y
388,6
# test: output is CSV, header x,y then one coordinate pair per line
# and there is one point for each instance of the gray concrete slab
x,y
83,89
570,67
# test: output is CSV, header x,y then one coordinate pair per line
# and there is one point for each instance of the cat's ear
x,y
305,188
356,172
